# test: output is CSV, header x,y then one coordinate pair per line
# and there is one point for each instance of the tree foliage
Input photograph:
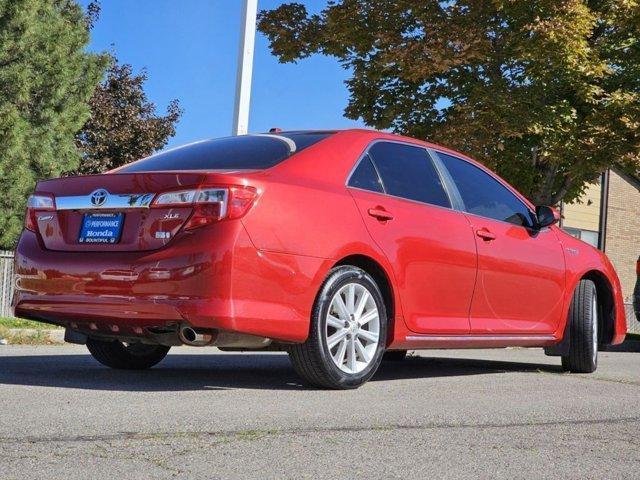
x,y
46,78
123,125
546,92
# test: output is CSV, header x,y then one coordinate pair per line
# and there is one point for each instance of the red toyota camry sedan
x,y
342,248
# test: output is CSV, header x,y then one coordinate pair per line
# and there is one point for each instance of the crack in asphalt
x,y
621,381
257,434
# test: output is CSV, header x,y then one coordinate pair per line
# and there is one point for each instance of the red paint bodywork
x,y
260,274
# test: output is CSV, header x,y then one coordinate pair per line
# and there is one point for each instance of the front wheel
x,y
348,332
132,356
583,328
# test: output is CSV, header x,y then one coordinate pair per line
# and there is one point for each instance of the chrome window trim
x,y
365,153
113,201
533,229
417,202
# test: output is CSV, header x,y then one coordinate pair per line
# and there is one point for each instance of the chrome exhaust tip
x,y
189,336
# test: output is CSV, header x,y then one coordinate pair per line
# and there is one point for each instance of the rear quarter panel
x,y
305,209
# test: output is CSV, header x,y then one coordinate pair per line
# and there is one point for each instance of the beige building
x,y
608,217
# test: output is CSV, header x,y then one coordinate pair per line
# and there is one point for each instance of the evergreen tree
x,y
46,79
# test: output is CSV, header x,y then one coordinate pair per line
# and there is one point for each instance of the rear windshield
x,y
246,152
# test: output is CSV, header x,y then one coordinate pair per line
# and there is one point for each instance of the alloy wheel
x,y
352,328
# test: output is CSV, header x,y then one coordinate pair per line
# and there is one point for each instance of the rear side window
x,y
245,152
408,172
484,195
366,177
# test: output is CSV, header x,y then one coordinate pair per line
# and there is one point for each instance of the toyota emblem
x,y
99,197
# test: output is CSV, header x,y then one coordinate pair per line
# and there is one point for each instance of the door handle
x,y
485,234
380,213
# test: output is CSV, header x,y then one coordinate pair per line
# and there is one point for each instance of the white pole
x,y
245,67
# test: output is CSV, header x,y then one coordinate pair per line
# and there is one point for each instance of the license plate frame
x,y
101,228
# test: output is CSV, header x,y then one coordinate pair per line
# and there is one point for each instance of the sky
x,y
189,49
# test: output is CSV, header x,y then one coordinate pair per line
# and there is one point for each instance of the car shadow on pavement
x,y
424,366
629,345
223,372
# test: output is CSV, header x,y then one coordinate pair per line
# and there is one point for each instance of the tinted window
x,y
408,172
305,139
483,195
245,152
366,177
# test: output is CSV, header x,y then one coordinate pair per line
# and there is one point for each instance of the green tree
x,y
123,125
46,78
546,92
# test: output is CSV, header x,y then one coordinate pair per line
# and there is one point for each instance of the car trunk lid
x,y
111,212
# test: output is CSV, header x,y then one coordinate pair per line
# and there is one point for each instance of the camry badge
x,y
99,197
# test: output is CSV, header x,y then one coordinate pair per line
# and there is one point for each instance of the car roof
x,y
293,132
381,135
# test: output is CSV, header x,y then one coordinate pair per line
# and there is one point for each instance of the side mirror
x,y
547,216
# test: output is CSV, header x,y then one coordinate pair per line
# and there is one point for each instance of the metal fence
x,y
6,283
633,326
6,292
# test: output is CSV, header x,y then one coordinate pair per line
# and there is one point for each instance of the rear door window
x,y
484,195
366,177
408,172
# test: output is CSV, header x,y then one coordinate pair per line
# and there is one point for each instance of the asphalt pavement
x,y
202,413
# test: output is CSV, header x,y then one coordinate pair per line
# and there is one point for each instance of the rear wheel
x,y
133,356
583,342
348,332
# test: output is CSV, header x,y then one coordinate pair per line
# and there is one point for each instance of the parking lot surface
x,y
206,414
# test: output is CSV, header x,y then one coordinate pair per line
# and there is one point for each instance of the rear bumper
x,y
209,278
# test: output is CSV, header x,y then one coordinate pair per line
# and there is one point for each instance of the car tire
x,y
135,356
394,356
340,352
583,330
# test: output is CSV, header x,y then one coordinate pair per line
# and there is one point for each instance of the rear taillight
x,y
209,204
35,204
638,267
